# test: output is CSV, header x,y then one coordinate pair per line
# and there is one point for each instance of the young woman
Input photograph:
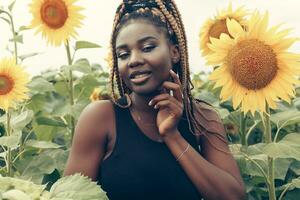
x,y
153,140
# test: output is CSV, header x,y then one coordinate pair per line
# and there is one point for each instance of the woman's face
x,y
144,57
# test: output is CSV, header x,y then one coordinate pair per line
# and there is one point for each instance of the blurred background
x,y
98,25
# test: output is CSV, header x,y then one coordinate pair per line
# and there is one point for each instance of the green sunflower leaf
x,y
81,65
11,5
42,144
50,122
85,45
285,118
40,85
288,147
24,56
10,141
17,38
76,187
13,187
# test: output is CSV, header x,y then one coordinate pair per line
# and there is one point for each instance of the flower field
x,y
254,86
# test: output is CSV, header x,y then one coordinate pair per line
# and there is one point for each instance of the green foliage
x,y
75,187
41,130
252,156
85,45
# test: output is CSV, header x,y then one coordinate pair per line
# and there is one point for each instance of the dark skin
x,y
142,46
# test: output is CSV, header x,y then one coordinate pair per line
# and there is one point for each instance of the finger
x,y
162,97
175,88
177,93
175,109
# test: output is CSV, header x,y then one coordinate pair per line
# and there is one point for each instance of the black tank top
x,y
140,168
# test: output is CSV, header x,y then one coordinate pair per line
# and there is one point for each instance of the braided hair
x,y
165,16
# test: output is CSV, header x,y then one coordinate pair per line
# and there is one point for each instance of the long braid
x,y
114,69
183,53
177,27
178,17
184,65
168,14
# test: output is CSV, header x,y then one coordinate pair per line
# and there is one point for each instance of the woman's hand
x,y
170,107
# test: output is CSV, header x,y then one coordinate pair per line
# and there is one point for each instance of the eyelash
x,y
146,49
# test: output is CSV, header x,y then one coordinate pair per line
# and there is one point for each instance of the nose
x,y
136,59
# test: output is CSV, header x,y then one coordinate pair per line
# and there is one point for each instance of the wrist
x,y
172,136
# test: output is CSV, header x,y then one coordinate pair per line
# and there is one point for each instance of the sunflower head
x,y
56,19
213,28
13,80
99,94
109,59
255,67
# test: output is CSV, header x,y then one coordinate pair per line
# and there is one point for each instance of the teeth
x,y
140,75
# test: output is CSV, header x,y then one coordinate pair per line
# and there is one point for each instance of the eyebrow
x,y
139,41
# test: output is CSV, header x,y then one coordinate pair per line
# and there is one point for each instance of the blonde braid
x,y
178,17
179,37
184,65
114,70
173,21
177,27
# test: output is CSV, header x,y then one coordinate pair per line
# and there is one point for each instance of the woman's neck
x,y
140,103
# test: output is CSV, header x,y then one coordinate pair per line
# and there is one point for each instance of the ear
x,y
174,52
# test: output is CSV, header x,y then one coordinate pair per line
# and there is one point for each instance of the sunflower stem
x,y
243,134
14,34
271,172
285,190
8,114
9,157
71,91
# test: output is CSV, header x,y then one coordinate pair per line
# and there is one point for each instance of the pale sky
x,y
98,25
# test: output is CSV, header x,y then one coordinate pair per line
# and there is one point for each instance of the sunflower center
x,y
6,84
54,13
252,63
217,28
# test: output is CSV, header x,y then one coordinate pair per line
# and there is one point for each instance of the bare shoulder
x,y
95,117
90,138
97,109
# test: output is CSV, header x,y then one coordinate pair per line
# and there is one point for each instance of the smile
x,y
140,78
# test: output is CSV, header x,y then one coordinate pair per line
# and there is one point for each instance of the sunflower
x,y
99,94
13,80
109,59
255,67
214,27
56,19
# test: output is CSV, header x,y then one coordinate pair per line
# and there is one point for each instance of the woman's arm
x,y
88,147
215,174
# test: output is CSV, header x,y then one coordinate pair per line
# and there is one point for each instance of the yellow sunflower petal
x,y
234,27
238,95
256,68
56,20
214,27
285,44
13,80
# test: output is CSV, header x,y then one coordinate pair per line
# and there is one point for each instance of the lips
x,y
139,73
139,77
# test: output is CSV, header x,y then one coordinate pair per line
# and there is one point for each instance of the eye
x,y
122,55
148,48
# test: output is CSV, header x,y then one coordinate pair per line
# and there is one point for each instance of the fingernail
x,y
155,107
150,103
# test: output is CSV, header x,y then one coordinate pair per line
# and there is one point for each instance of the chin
x,y
146,90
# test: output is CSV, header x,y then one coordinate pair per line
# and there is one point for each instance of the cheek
x,y
122,71
162,62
